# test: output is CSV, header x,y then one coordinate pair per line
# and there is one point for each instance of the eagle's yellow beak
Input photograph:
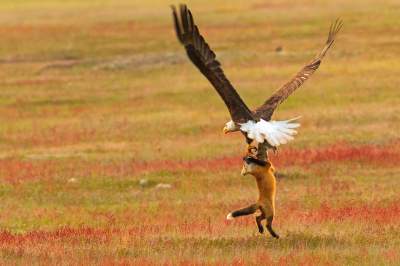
x,y
225,130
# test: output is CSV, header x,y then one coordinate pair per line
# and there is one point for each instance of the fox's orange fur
x,y
266,183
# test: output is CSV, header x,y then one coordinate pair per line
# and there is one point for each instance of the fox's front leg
x,y
245,211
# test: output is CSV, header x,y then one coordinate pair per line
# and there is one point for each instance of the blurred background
x,y
111,141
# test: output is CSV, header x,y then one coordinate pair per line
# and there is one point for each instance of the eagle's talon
x,y
251,149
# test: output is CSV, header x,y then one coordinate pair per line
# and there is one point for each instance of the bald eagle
x,y
255,125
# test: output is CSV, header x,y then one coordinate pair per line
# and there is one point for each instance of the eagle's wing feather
x,y
280,132
266,110
274,132
203,58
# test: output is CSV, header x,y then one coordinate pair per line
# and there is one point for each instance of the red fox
x,y
263,171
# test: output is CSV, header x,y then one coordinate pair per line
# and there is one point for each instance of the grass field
x,y
98,95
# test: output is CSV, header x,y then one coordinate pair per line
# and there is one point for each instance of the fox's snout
x,y
244,171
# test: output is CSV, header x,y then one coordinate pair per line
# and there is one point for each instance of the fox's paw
x,y
261,230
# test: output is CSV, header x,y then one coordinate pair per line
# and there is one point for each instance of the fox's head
x,y
255,166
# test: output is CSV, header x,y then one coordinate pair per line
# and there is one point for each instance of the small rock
x,y
279,49
143,182
163,186
72,180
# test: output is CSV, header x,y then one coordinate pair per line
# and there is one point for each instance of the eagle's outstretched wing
x,y
204,58
266,110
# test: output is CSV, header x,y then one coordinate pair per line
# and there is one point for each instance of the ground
x,y
98,95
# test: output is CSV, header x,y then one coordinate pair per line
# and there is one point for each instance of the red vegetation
x,y
62,234
198,165
14,170
383,155
17,170
391,255
374,213
386,155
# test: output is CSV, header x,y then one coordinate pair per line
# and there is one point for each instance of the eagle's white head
x,y
230,127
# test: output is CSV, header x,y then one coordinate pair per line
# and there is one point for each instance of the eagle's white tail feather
x,y
274,132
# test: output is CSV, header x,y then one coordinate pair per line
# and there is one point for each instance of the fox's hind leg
x,y
258,221
269,227
268,211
